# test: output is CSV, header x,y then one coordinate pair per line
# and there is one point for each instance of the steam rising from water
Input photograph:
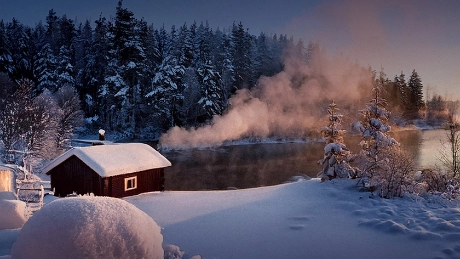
x,y
285,105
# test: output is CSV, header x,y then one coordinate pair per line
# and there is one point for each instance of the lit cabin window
x,y
130,183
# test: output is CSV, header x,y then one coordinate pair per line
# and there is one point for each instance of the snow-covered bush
x,y
435,180
335,162
12,214
440,183
89,227
395,173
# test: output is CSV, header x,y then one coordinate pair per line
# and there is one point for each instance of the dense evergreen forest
x,y
127,76
132,76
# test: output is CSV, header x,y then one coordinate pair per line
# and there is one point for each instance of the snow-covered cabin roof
x,y
116,159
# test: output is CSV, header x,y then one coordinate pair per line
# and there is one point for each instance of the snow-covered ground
x,y
306,219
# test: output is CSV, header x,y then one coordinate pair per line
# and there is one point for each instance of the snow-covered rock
x,y
89,227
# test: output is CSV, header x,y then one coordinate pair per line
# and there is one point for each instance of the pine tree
x,y
374,129
165,92
373,124
224,65
262,61
52,31
124,73
185,47
211,89
94,94
9,115
400,97
20,62
45,69
82,44
415,96
335,161
241,46
5,55
65,73
66,33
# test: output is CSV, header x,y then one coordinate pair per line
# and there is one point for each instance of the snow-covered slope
x,y
306,219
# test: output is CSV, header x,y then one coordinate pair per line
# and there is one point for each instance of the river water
x,y
254,165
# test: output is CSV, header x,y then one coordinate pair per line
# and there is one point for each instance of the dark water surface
x,y
255,165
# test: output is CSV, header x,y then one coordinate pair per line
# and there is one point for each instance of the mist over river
x,y
264,164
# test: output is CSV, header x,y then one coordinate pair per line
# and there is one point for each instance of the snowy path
x,y
302,220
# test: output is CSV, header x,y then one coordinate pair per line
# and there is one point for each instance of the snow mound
x,y
89,227
12,214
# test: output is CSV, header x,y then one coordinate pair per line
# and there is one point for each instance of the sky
x,y
398,36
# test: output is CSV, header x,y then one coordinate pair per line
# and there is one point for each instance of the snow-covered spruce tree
x,y
241,48
124,73
335,161
166,91
92,89
64,68
211,88
45,69
384,167
415,104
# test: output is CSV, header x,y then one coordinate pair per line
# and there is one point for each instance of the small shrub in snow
x,y
395,173
435,180
439,183
89,227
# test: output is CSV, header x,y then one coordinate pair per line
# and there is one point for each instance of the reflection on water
x,y
430,145
241,166
247,166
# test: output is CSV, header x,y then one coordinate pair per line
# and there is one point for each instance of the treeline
x,y
137,79
407,103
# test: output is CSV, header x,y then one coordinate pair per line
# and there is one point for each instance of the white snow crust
x,y
116,159
89,227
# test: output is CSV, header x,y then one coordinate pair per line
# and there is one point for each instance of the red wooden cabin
x,y
116,170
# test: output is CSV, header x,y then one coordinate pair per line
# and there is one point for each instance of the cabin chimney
x,y
101,135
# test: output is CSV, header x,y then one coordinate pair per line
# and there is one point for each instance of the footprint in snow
x,y
297,222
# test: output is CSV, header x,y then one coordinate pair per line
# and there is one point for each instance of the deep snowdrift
x,y
89,227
